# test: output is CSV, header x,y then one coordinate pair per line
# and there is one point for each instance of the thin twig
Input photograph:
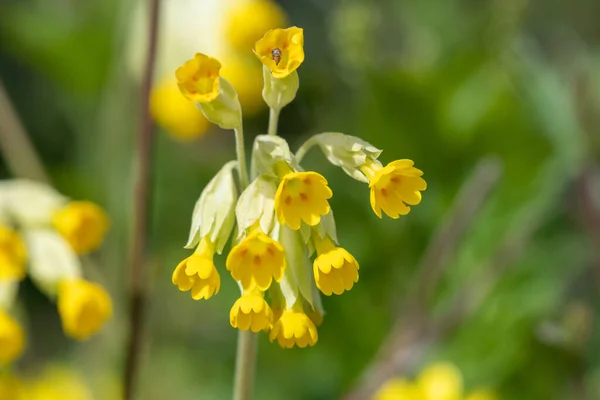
x,y
17,149
141,209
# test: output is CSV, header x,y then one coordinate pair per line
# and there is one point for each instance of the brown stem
x,y
18,152
141,207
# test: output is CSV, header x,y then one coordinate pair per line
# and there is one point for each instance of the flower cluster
x,y
439,381
42,234
285,251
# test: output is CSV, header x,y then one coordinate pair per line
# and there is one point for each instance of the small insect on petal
x,y
276,55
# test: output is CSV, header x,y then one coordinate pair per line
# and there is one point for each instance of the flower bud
x,y
270,151
214,212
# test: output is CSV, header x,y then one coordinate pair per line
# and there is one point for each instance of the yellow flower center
x,y
335,269
256,261
251,312
83,224
198,78
13,255
198,273
294,328
12,339
302,196
84,307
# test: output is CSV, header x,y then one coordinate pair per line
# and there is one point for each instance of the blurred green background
x,y
490,89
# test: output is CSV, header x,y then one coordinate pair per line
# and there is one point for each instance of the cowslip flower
x,y
178,116
198,78
198,273
335,269
399,389
83,306
12,339
251,312
294,328
11,388
441,381
394,187
281,50
256,261
13,255
302,196
248,21
83,224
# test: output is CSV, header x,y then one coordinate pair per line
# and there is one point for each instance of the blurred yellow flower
x,y
281,50
248,21
294,328
246,78
11,388
57,383
399,389
302,196
256,261
198,273
178,116
12,339
482,394
251,312
83,306
198,78
394,185
441,381
83,224
13,255
335,269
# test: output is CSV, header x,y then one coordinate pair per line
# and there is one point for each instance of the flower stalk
x,y
273,121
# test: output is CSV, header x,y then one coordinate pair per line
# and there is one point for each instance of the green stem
x,y
273,121
245,366
305,148
245,363
241,156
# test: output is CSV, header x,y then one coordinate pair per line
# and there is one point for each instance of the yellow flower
x,y
441,381
394,185
399,389
281,50
12,339
251,311
58,383
335,269
246,78
302,196
13,255
176,114
198,78
294,328
256,261
83,306
11,388
198,273
482,394
83,224
247,22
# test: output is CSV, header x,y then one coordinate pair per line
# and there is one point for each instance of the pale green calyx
x,y
257,204
269,150
29,203
326,227
345,151
8,293
279,92
51,260
225,110
214,212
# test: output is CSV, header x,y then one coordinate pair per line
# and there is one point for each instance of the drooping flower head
x,y
395,187
198,273
83,306
335,269
294,328
83,224
198,78
281,50
251,312
13,255
12,339
256,261
302,196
